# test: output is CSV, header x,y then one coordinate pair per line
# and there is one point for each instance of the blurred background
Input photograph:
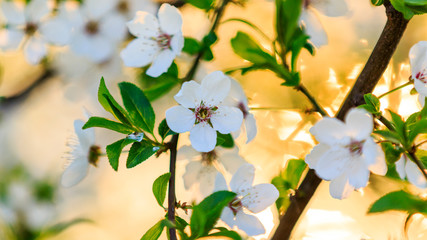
x,y
38,107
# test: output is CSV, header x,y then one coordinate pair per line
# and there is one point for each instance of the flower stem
x,y
420,165
395,89
313,101
386,123
367,80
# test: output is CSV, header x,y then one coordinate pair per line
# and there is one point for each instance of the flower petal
x,y
259,197
97,48
203,137
414,175
170,19
161,63
250,224
331,8
220,183
333,163
97,9
358,174
10,38
243,178
418,58
400,166
359,124
420,87
316,153
144,24
374,157
139,53
36,9
189,95
177,43
206,180
56,31
180,119
227,216
340,188
192,173
313,28
215,87
330,131
86,137
113,26
422,99
13,12
75,172
187,153
230,159
227,119
250,126
35,50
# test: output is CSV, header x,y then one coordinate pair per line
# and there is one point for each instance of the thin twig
x,y
171,194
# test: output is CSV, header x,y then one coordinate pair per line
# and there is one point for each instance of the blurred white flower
x,y
249,199
201,111
98,29
311,22
33,25
346,152
203,167
83,153
237,98
158,41
418,60
128,8
408,169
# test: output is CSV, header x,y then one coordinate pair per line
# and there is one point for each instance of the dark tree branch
x,y
171,194
367,80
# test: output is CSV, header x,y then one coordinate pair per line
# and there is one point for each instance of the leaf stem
x,y
395,89
420,165
313,101
386,123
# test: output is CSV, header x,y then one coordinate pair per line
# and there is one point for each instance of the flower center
x,y
94,153
204,113
30,28
164,41
235,205
242,108
422,76
306,3
123,7
208,158
92,27
355,147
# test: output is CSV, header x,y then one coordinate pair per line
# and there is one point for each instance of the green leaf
x,y
399,201
108,124
392,154
206,213
139,152
417,128
115,149
407,11
287,17
202,4
191,46
389,135
110,105
244,46
209,39
372,101
138,106
59,227
208,55
154,232
226,233
377,2
224,140
292,81
164,85
164,130
160,186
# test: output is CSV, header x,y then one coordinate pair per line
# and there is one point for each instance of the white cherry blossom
x,y
249,199
98,29
237,98
311,22
202,113
408,169
158,41
33,25
346,152
418,60
83,153
202,168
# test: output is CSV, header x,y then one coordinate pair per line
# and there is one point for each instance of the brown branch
x,y
367,80
171,193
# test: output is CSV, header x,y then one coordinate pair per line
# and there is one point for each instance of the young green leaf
x,y
164,130
138,106
389,136
244,46
224,140
191,46
373,101
206,213
139,152
109,104
399,201
392,154
154,232
164,85
202,4
59,227
227,233
419,127
108,124
160,186
115,149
